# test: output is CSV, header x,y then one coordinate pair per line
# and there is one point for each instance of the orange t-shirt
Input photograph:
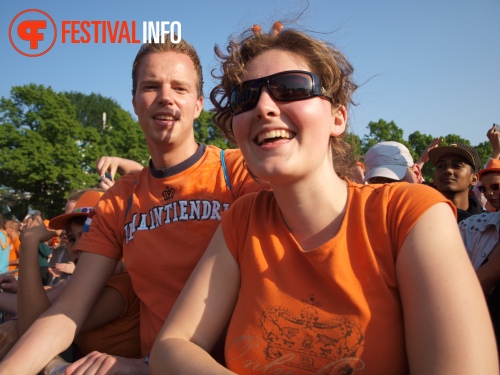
x,y
14,253
121,336
334,309
161,221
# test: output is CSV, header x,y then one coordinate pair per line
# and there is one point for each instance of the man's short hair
x,y
182,47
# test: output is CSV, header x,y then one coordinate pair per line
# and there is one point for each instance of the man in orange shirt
x,y
12,228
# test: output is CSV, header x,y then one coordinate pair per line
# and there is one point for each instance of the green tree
x,y
355,142
454,138
381,131
41,158
206,132
119,134
50,142
485,150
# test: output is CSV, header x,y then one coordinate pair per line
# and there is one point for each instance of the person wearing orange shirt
x,y
12,228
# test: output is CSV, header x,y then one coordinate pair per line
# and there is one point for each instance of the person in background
x,y
481,234
113,324
455,174
319,274
5,246
12,228
493,135
390,162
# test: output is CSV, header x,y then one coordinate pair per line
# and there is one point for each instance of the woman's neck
x,y
313,211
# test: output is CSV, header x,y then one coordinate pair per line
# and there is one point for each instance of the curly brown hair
x,y
325,60
182,47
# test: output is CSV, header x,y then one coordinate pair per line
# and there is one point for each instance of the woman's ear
x,y
339,121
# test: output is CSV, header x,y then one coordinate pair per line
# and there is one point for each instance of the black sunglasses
x,y
284,86
493,187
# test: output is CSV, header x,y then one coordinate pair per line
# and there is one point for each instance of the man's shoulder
x,y
229,153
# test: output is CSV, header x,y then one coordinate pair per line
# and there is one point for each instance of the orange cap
x,y
83,207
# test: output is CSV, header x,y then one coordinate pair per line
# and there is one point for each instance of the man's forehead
x,y
490,177
453,158
177,67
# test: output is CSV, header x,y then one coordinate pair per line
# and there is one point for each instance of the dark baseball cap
x,y
468,153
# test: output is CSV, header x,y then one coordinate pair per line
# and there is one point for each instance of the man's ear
x,y
474,178
418,173
198,107
133,103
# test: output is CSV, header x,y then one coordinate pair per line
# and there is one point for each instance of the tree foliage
x,y
206,132
50,142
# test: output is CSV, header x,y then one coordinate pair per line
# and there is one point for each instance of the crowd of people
x,y
280,256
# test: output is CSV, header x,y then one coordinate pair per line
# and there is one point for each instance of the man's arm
x,y
59,324
32,298
494,137
114,164
425,154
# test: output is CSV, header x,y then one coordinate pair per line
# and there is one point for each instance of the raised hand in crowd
x,y
424,158
36,229
493,135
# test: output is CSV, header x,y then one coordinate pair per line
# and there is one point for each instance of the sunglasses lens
x,y
292,86
245,97
493,187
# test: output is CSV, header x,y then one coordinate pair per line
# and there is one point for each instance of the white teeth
x,y
165,118
273,134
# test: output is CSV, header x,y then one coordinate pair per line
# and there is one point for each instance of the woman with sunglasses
x,y
321,275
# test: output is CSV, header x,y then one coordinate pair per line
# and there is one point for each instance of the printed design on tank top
x,y
308,341
172,212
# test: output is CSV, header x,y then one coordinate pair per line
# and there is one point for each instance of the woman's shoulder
x,y
395,189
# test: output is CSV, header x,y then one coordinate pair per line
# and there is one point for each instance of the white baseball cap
x,y
387,159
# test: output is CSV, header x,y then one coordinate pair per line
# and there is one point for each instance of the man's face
x,y
165,100
453,174
10,231
492,195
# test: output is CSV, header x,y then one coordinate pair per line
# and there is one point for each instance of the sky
x,y
429,66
